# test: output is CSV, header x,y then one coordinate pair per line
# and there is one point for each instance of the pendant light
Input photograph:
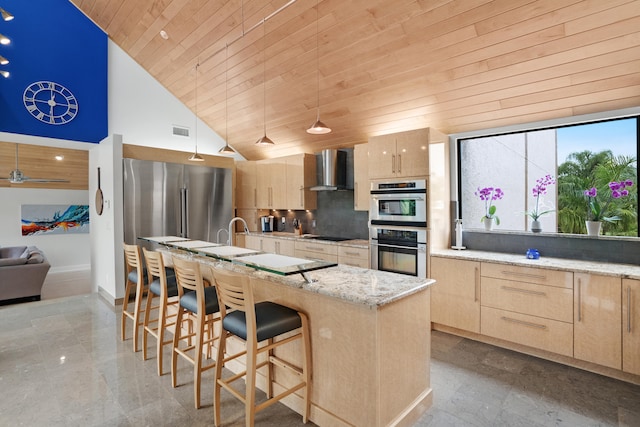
x,y
195,157
6,16
226,150
318,128
265,140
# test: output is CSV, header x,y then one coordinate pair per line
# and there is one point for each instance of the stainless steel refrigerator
x,y
172,199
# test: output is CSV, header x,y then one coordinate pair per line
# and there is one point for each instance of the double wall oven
x,y
398,226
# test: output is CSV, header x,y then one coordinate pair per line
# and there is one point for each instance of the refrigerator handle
x,y
184,213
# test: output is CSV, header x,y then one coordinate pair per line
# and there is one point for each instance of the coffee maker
x,y
266,223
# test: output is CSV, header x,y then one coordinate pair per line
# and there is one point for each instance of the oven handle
x,y
397,196
418,248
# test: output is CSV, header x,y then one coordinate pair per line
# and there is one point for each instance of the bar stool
x,y
135,280
255,323
162,284
202,303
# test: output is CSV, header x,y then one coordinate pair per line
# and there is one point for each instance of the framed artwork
x,y
54,219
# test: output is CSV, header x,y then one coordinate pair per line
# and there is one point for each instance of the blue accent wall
x,y
51,40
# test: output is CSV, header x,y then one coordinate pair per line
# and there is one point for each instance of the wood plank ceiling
x,y
384,65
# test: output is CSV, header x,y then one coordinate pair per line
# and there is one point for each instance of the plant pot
x,y
593,227
488,223
536,227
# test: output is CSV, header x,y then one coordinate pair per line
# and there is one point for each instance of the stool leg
x,y
216,386
145,323
125,307
197,358
250,393
162,318
136,315
306,365
176,341
269,371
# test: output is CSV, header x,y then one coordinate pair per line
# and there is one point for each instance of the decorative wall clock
x,y
50,102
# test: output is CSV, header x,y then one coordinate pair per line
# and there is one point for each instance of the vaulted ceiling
x,y
384,65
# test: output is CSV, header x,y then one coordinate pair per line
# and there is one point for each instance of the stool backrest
x,y
155,268
235,293
133,259
189,277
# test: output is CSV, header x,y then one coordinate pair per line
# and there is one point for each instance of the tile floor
x,y
62,364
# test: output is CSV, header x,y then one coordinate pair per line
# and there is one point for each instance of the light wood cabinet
x,y
284,182
403,154
631,326
361,186
246,189
271,184
455,297
269,244
356,257
316,250
300,177
597,319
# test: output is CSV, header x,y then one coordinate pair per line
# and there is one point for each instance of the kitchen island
x,y
370,338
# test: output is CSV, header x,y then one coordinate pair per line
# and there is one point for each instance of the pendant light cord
x,y
196,107
318,58
226,96
264,74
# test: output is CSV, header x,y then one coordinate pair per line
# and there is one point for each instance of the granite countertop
x,y
359,243
592,267
362,286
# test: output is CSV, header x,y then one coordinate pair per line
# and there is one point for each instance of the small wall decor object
x,y
54,219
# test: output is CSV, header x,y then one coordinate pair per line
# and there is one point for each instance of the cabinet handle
x,y
314,248
355,193
524,291
352,253
475,285
261,250
522,322
629,309
517,274
255,197
393,163
579,300
301,196
399,163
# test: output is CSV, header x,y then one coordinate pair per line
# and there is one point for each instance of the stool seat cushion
x,y
190,301
271,320
172,287
133,276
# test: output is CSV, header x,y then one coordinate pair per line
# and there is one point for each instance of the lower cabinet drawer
x,y
544,334
354,262
316,255
528,298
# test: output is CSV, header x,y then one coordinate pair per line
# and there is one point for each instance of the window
x,y
563,162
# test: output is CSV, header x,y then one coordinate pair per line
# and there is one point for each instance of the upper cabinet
x,y
246,190
361,185
280,183
301,175
404,154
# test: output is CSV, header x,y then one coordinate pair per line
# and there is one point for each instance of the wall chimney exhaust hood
x,y
332,171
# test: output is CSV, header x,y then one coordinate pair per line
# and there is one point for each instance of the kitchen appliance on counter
x,y
266,223
172,199
398,226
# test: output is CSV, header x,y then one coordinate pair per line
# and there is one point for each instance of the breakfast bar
x,y
370,335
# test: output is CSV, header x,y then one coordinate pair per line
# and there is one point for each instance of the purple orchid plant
x,y
539,189
489,195
597,212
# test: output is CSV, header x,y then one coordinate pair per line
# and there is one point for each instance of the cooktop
x,y
330,238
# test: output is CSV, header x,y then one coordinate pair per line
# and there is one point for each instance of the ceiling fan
x,y
17,177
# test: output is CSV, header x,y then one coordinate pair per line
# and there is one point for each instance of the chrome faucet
x,y
246,229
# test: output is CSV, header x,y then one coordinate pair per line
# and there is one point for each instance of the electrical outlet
x,y
313,223
284,220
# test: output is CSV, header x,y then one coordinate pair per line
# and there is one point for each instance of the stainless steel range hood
x,y
333,171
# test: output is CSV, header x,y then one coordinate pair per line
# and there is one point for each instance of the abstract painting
x,y
54,219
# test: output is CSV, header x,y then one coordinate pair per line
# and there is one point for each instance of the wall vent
x,y
180,131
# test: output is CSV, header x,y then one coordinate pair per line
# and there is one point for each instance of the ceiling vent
x,y
180,131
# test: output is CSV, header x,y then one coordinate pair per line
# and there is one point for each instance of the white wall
x,y
144,112
64,251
